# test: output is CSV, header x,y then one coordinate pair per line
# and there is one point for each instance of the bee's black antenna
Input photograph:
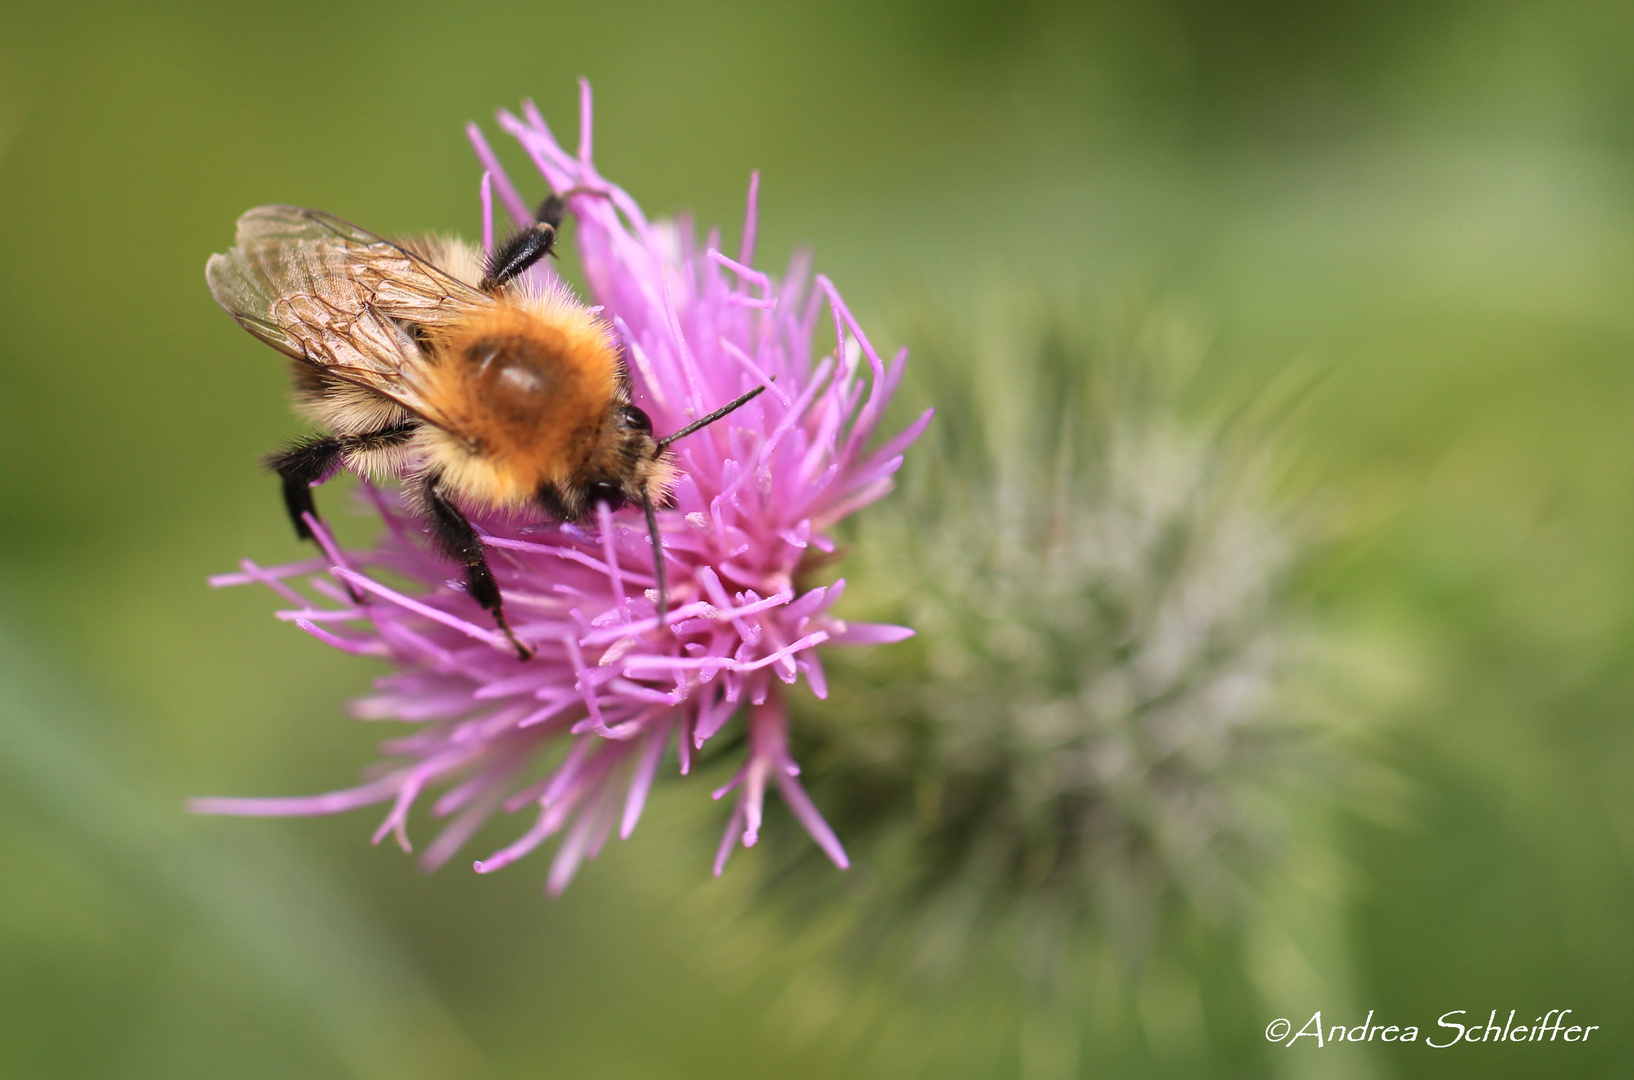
x,y
657,558
652,515
711,418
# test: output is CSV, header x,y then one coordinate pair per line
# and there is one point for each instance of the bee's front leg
x,y
455,538
513,257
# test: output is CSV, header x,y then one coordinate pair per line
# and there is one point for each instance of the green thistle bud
x,y
1076,763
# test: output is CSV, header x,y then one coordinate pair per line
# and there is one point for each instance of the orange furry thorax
x,y
528,386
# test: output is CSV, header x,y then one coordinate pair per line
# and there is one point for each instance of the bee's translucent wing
x,y
337,297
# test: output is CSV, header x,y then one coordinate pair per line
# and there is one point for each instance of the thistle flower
x,y
610,689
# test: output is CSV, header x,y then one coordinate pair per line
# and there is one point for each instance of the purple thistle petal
x,y
753,499
728,839
586,115
344,644
487,196
751,219
641,784
582,841
333,802
858,633
811,819
438,615
463,827
514,205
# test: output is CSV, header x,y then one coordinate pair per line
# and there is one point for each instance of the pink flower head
x,y
757,494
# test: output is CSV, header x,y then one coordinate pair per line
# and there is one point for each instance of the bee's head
x,y
630,466
643,472
627,468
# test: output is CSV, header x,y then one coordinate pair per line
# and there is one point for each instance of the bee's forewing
x,y
335,296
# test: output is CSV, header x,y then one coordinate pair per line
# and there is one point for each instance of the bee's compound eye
x,y
637,419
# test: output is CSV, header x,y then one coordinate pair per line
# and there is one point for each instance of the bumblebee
x,y
424,362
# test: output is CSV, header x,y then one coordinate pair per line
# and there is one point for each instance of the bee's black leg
x,y
301,466
455,538
514,256
308,462
552,210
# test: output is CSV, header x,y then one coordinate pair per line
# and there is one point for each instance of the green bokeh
x,y
1434,199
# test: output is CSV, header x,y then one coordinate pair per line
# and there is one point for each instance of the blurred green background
x,y
1435,199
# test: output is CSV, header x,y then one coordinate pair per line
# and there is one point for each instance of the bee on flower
x,y
620,622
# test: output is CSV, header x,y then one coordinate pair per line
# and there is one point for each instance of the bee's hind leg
x,y
312,460
457,539
302,465
299,467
